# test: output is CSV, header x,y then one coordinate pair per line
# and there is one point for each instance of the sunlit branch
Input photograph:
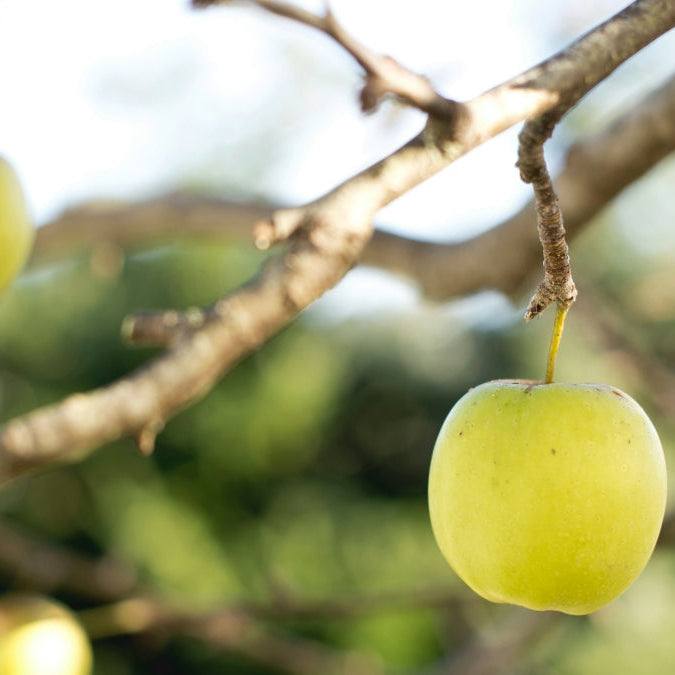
x,y
596,169
383,75
332,233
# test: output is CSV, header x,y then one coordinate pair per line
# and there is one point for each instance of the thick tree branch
x,y
595,171
331,235
557,285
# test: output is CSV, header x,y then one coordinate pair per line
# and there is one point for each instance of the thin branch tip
x,y
280,226
263,234
147,437
547,294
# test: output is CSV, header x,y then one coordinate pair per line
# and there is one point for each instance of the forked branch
x,y
595,170
329,236
383,74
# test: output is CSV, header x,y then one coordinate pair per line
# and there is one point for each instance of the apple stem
x,y
558,324
558,285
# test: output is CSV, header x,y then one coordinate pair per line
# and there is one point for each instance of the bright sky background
x,y
133,98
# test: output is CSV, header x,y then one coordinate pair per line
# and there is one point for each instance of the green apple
x,y
41,637
549,496
16,228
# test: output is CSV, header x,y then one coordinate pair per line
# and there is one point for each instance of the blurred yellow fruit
x,y
41,637
549,496
16,229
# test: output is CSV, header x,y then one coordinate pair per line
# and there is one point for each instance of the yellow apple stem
x,y
561,313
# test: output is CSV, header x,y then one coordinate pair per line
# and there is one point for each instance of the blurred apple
x,y
41,637
549,496
16,229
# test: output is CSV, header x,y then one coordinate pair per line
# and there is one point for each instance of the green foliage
x,y
302,476
241,500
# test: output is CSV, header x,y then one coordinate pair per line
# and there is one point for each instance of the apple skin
x,y
549,496
16,229
41,636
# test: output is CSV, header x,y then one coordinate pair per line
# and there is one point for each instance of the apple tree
x,y
209,470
